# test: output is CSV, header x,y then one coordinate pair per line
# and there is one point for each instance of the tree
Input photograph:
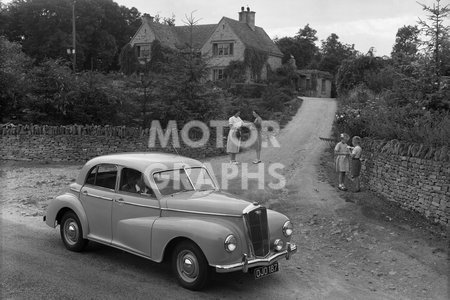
x,y
302,46
333,52
306,39
406,45
44,28
437,33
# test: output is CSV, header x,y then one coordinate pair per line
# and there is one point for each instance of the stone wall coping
x,y
407,149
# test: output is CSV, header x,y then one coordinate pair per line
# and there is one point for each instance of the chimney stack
x,y
248,17
146,18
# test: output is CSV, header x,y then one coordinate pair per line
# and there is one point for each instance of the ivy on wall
x,y
235,71
255,60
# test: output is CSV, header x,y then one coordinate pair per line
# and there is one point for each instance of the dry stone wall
x,y
79,143
414,175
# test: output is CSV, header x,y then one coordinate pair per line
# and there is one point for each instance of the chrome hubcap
x,y
187,265
71,232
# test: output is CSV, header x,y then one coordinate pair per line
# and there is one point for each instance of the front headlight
x,y
288,228
230,243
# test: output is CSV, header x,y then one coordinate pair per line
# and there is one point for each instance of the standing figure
x,y
342,153
234,139
356,162
258,143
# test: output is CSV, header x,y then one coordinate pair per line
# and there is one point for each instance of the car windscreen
x,y
180,180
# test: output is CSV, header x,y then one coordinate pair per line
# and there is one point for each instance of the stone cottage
x,y
219,43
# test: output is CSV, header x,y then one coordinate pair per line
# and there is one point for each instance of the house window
x,y
143,51
223,49
323,86
218,74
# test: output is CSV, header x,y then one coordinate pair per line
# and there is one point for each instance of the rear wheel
x,y
190,266
72,233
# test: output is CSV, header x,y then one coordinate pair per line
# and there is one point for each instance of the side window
x,y
103,176
132,181
90,179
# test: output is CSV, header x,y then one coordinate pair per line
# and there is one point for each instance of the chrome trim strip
x,y
75,190
138,205
246,264
247,235
201,212
99,197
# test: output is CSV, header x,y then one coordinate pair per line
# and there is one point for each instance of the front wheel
x,y
72,233
190,266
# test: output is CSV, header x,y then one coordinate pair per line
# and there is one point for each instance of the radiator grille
x,y
258,231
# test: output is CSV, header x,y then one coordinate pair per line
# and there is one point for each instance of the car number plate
x,y
261,272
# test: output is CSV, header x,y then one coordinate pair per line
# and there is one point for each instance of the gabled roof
x,y
200,34
257,39
165,34
179,36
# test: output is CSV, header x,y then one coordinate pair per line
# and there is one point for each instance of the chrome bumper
x,y
257,262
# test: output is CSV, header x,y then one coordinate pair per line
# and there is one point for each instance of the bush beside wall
x,y
413,175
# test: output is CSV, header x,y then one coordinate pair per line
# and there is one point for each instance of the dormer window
x,y
222,49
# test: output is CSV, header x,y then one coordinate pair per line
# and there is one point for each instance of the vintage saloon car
x,y
163,206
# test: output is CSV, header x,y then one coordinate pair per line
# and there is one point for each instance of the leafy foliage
x,y
364,113
235,71
406,45
255,60
360,70
333,52
44,28
128,60
406,97
14,65
301,46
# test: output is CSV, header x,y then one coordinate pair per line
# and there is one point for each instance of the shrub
x,y
372,115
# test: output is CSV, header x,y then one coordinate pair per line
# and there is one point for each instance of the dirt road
x,y
362,250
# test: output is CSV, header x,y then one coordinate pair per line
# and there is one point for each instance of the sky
x,y
364,23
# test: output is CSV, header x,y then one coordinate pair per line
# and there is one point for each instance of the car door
x,y
97,197
133,213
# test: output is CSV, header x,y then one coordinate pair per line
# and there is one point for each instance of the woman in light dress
x,y
342,161
234,140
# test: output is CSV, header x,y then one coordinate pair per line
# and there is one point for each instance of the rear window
x,y
103,176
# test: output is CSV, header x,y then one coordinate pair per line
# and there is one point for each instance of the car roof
x,y
145,162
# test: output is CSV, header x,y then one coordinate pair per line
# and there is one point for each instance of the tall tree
x,y
306,39
333,52
302,46
437,33
407,43
44,28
